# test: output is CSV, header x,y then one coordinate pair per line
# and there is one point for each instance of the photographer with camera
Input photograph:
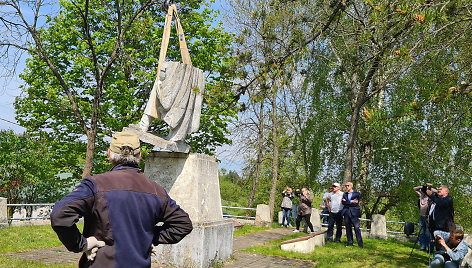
x,y
441,212
286,205
304,208
424,204
452,251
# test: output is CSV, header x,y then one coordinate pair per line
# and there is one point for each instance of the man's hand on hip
x,y
92,247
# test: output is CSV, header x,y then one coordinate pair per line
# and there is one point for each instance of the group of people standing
x,y
336,203
339,205
304,207
437,226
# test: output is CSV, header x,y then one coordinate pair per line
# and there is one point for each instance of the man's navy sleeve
x,y
67,212
177,224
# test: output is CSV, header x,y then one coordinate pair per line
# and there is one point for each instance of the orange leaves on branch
x,y
398,52
378,9
367,114
399,11
419,18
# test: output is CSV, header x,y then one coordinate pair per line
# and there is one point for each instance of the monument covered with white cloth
x,y
190,179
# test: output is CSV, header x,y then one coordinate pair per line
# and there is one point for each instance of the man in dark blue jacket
x,y
352,213
441,212
120,209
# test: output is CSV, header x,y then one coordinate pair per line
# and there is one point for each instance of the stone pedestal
x,y
468,257
315,219
3,213
378,227
262,215
192,181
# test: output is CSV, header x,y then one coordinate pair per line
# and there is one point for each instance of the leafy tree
x,y
92,65
381,93
28,170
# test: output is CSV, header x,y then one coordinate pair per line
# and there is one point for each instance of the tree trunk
x,y
260,144
275,160
89,155
363,182
351,144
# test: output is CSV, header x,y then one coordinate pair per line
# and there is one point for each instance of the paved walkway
x,y
251,260
60,255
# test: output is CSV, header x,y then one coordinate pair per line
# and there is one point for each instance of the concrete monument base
x,y
192,181
3,213
208,244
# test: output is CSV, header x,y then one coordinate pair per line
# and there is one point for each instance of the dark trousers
x,y
351,221
307,220
338,219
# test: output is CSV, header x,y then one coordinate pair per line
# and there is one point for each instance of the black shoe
x,y
349,245
338,241
361,246
329,241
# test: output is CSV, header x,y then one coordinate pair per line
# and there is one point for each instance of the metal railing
x,y
369,220
344,227
226,215
398,222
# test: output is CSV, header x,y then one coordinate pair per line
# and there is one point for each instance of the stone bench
x,y
304,244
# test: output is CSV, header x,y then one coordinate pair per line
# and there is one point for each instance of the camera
x,y
426,187
444,254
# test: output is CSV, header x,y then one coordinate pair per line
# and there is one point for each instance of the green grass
x,y
248,229
8,262
376,253
14,239
25,238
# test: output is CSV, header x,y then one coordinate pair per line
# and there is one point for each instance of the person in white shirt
x,y
335,208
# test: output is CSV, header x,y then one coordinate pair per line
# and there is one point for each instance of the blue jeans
x,y
425,238
438,262
424,233
286,215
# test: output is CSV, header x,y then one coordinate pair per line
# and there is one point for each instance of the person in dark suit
x,y
441,212
352,213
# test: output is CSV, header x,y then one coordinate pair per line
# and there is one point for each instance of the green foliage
x,y
393,68
233,192
29,168
82,50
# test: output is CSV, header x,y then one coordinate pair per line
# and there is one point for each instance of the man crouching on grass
x,y
453,249
121,209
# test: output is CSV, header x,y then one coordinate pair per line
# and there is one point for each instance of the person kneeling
x,y
452,251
